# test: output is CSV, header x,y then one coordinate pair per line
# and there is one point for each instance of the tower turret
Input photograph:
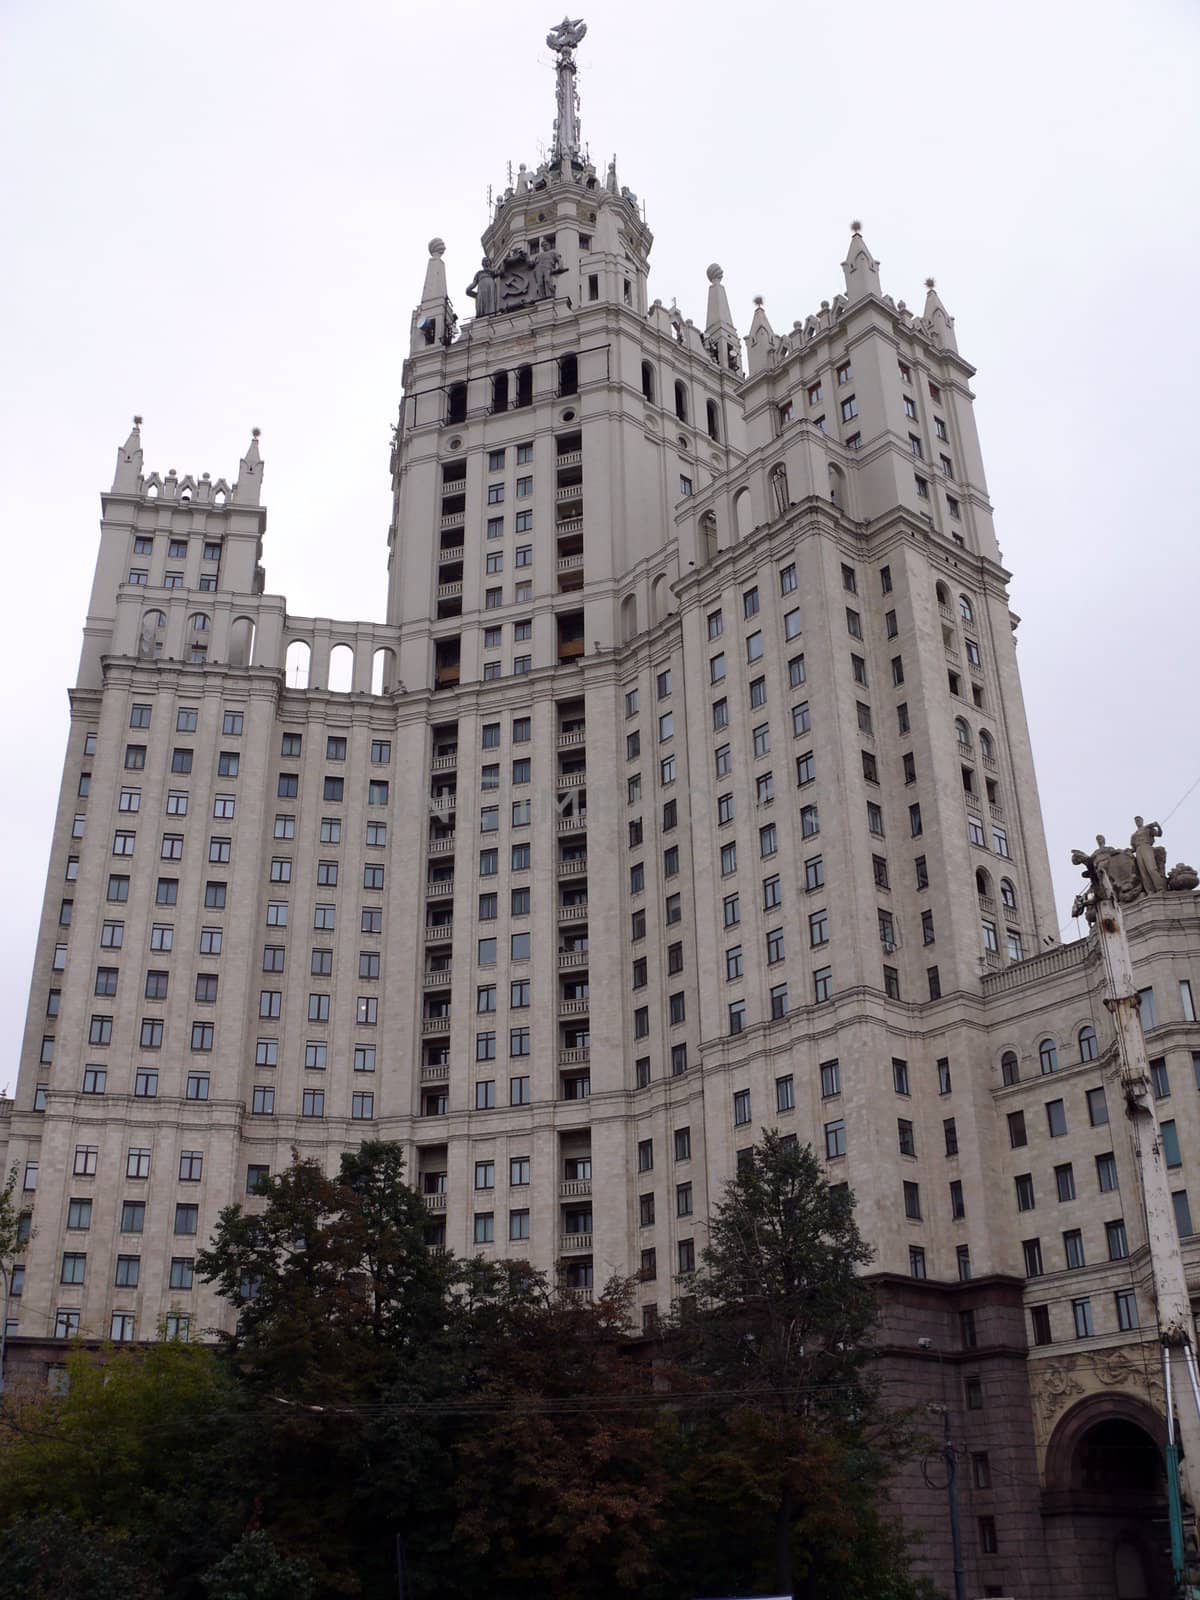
x,y
433,321
861,268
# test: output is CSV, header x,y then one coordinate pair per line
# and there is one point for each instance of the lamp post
x,y
951,1463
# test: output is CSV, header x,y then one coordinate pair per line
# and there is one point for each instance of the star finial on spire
x,y
931,283
856,227
137,421
758,300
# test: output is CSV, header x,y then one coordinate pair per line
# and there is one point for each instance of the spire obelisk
x,y
563,39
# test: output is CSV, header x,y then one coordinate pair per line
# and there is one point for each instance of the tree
x,y
795,1454
11,1246
255,1570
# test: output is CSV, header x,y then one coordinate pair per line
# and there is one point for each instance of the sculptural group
x,y
521,279
1122,876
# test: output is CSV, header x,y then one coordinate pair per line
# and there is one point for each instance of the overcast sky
x,y
216,215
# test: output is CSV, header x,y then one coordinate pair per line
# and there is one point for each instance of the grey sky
x,y
216,215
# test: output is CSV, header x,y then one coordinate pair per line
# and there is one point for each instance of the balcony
x,y
973,803
569,458
432,1027
578,1057
572,563
452,519
443,846
986,904
451,552
576,736
436,1074
436,977
946,612
990,763
444,763
951,653
576,1244
568,525
572,780
571,491
439,886
569,866
572,958
573,1008
435,1202
573,822
440,804
997,811
573,913
449,591
572,1188
438,930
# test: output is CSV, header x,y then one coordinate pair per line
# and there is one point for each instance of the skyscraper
x,y
685,790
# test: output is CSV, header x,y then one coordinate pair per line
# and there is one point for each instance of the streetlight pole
x,y
951,1463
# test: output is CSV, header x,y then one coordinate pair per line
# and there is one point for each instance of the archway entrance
x,y
1105,1502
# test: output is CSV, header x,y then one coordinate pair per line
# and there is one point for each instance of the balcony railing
x,y
572,958
572,913
946,612
573,1188
576,736
438,930
572,780
432,1026
573,822
452,552
990,763
573,491
441,803
569,563
436,1074
435,1202
568,525
576,1244
573,1008
572,458
997,811
453,519
571,865
577,1057
444,763
439,886
449,591
987,904
436,977
443,846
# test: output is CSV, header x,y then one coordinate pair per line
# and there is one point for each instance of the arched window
x,y
987,748
965,609
714,431
648,382
341,669
983,883
297,664
1088,1049
198,622
629,625
1048,1055
962,733
1010,1072
708,536
456,403
742,513
779,486
1008,895
568,375
500,391
943,595
681,405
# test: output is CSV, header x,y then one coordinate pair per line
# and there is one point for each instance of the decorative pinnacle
x,y
256,433
137,422
931,283
758,300
715,273
856,227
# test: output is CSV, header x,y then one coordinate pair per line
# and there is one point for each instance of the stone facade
x,y
686,790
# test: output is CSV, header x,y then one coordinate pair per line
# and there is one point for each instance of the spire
x,y
760,341
128,477
562,40
433,321
248,488
938,320
720,331
610,183
860,267
435,274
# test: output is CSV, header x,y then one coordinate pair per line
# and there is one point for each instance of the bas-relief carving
x,y
521,279
1055,1386
1122,876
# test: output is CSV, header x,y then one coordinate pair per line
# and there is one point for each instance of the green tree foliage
x,y
510,1438
778,1324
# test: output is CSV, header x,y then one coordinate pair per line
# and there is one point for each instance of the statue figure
x,y
149,636
1151,861
482,289
1181,877
547,265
